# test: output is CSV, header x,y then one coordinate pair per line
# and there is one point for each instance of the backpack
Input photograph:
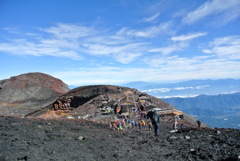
x,y
155,119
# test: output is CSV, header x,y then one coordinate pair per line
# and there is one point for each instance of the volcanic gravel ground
x,y
44,140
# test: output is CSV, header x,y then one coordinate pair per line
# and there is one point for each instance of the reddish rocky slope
x,y
28,92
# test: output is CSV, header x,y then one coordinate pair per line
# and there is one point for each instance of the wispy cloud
x,y
227,11
73,42
150,32
189,36
68,31
124,53
227,47
162,69
197,67
170,49
179,43
58,41
24,48
151,18
78,41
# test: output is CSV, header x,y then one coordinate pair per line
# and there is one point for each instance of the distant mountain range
x,y
216,102
189,88
203,105
221,110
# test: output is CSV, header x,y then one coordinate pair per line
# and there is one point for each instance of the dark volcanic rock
x,y
34,139
28,92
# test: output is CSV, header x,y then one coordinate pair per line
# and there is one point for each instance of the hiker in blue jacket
x,y
155,119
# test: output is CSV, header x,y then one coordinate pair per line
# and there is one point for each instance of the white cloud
x,y
166,50
150,32
126,58
158,90
58,41
165,90
162,69
75,42
228,47
170,49
171,62
68,31
24,48
188,36
199,67
180,43
122,53
226,10
151,18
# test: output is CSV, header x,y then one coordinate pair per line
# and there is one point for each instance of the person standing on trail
x,y
140,124
155,119
182,126
143,124
199,123
123,123
133,124
136,124
149,123
175,122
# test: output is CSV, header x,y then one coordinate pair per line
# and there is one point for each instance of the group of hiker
x,y
146,122
149,122
140,124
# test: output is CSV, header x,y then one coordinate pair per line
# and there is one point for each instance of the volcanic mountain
x,y
106,102
20,95
41,95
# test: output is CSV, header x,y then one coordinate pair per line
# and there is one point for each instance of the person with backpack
x,y
155,119
199,123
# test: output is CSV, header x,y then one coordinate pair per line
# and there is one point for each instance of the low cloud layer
x,y
165,90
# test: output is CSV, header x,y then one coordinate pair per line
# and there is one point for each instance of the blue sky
x,y
114,42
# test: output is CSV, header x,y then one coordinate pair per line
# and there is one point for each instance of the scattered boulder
x,y
81,138
187,137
